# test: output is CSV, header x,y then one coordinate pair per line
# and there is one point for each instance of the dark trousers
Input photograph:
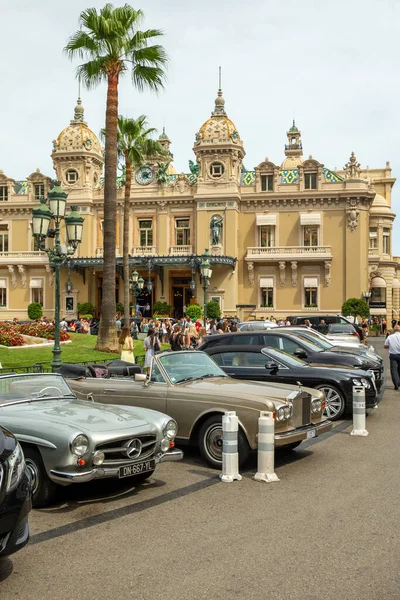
x,y
395,369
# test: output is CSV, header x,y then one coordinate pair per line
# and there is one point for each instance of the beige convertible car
x,y
191,388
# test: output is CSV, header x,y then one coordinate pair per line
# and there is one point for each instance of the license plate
x,y
137,468
311,433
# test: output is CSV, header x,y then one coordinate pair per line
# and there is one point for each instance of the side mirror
x,y
300,353
272,366
140,377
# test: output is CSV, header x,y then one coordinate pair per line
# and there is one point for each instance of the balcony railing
x,y
289,253
180,250
143,250
373,252
23,256
100,252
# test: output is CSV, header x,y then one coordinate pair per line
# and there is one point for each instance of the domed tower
x,y
77,154
219,152
293,149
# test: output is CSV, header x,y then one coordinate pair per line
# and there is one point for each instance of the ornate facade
x,y
284,239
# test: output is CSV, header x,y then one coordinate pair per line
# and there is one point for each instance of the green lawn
x,y
80,349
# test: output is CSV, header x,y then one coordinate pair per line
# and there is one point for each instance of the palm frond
x,y
144,76
92,73
150,55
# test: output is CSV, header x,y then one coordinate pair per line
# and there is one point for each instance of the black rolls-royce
x,y
15,495
270,365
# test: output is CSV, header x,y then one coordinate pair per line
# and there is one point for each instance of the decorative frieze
x,y
293,264
250,268
282,272
11,270
22,272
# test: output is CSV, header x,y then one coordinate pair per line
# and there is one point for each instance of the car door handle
x,y
228,373
109,390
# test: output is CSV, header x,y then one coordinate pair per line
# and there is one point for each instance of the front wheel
x,y
43,489
210,443
335,402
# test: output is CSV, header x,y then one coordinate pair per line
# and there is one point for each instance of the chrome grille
x,y
301,410
116,451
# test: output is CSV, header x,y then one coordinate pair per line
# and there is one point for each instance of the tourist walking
x,y
126,345
392,343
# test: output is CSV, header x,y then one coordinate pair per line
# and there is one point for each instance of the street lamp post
x,y
137,284
42,216
206,273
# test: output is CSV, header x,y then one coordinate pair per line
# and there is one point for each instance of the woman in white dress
x,y
151,345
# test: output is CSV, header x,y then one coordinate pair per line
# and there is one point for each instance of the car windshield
x,y
32,387
315,339
287,359
308,344
188,366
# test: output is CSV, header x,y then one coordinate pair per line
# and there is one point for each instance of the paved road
x,y
328,530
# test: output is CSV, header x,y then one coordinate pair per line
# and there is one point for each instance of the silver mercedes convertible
x,y
66,440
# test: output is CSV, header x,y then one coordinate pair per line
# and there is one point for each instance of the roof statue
x,y
352,169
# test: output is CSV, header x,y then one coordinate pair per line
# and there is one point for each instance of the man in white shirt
x,y
392,343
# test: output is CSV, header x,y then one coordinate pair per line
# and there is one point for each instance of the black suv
x,y
298,346
15,495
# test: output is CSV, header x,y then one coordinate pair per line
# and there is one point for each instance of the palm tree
x,y
111,44
134,145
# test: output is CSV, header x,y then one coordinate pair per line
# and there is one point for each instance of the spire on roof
x,y
79,113
219,109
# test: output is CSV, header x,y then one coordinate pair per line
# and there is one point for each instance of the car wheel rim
x,y
34,473
213,442
334,403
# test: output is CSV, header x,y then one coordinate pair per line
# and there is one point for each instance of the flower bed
x,y
12,335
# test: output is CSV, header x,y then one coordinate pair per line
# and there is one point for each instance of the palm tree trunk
x,y
125,251
107,340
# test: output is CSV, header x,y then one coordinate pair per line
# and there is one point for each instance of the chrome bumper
x,y
300,434
64,478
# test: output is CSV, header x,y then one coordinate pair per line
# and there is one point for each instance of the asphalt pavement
x,y
329,529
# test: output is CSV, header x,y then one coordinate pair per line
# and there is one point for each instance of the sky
x,y
333,65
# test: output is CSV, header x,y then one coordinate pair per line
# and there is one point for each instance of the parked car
x,y
66,440
196,392
346,330
256,325
298,345
336,341
315,320
15,495
268,364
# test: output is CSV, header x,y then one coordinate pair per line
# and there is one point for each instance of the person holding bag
x,y
126,345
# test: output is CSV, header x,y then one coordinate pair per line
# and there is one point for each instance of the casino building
x,y
284,238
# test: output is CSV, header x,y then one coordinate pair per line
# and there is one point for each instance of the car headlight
x,y
170,429
98,458
16,467
165,445
356,382
284,412
365,383
79,445
316,405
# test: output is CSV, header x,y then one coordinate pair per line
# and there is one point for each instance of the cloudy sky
x,y
333,65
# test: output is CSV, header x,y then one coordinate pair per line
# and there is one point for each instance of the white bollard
x,y
266,449
359,411
230,455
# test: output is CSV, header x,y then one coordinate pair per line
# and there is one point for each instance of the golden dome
x,y
218,128
77,137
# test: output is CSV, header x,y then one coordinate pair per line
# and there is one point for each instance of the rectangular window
x,y
310,235
3,293
386,240
373,238
310,181
311,292
267,183
3,193
3,240
182,232
69,304
267,297
267,236
146,232
39,191
37,295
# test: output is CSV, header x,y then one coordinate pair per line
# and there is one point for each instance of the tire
x,y
43,489
210,443
335,402
137,479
